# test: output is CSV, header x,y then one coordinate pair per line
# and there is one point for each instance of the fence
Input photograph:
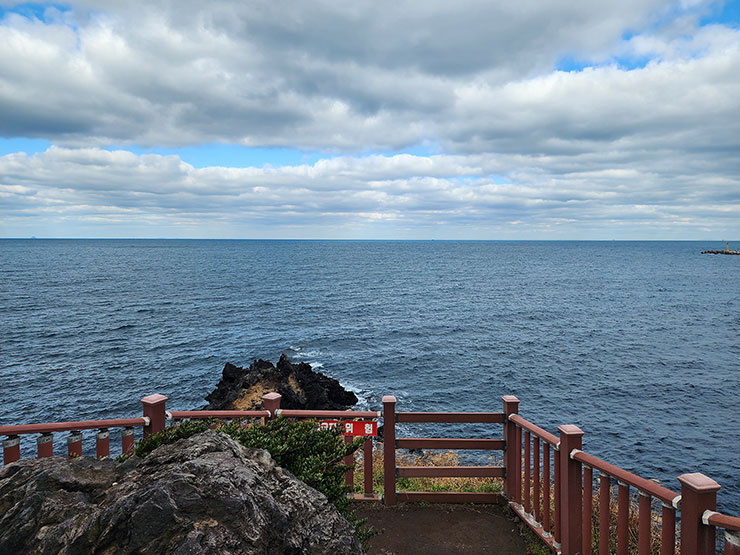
x,y
548,479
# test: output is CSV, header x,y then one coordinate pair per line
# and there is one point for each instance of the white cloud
x,y
518,140
82,186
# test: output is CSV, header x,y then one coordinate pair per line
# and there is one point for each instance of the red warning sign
x,y
352,428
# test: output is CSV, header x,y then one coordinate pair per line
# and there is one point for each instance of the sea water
x,y
638,343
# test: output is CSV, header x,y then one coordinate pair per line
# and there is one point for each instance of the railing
x,y
548,479
572,531
648,490
544,520
151,422
391,443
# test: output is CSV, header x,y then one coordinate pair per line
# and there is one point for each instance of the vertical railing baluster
x,y
623,515
645,518
537,508
127,440
389,449
556,474
102,443
588,493
518,465
367,454
527,473
349,460
546,487
668,530
45,445
604,513
74,444
732,542
11,449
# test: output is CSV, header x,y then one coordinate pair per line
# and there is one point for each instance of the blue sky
x,y
552,120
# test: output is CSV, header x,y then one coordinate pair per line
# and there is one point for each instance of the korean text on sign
x,y
353,428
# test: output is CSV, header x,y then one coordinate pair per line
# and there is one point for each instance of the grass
x,y
633,523
425,458
632,526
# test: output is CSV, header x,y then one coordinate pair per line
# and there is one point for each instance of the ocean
x,y
638,343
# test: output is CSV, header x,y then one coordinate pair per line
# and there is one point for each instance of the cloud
x,y
456,195
370,75
646,133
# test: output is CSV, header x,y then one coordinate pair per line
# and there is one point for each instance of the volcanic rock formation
x,y
301,387
204,494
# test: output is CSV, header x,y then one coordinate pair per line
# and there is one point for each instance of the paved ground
x,y
442,529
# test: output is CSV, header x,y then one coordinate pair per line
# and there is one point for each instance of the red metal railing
x,y
731,524
647,489
533,504
391,443
548,479
45,441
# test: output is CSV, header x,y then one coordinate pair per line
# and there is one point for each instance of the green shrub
x,y
170,434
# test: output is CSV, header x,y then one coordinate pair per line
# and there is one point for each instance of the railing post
x,y
154,410
511,453
571,495
271,402
698,494
74,444
389,449
11,449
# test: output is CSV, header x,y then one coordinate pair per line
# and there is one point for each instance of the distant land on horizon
x,y
361,239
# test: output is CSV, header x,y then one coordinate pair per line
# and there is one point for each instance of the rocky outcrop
x,y
204,494
300,387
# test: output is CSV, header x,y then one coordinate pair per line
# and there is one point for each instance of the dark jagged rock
x,y
301,387
204,494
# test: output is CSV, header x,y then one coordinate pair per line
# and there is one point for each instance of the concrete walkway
x,y
444,529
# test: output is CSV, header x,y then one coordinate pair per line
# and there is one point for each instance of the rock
x,y
203,494
301,387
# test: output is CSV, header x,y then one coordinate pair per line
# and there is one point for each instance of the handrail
x,y
339,414
534,429
450,443
651,488
50,427
450,471
727,522
194,414
452,417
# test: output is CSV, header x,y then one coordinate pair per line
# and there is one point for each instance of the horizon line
x,y
34,238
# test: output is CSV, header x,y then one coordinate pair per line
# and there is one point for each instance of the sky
x,y
371,119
